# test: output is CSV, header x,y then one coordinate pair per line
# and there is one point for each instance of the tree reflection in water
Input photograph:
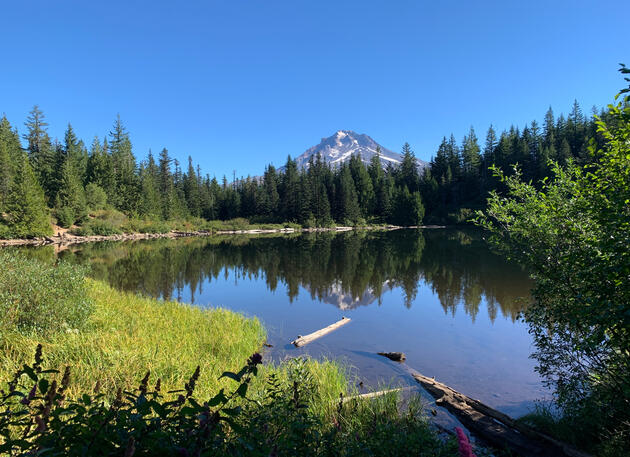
x,y
348,269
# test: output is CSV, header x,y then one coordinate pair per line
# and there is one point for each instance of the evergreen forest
x,y
69,181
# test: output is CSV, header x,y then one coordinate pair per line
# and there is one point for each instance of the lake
x,y
438,295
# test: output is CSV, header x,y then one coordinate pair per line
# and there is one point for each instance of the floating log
x,y
395,356
304,340
374,394
493,426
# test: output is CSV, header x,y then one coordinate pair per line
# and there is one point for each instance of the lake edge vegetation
x,y
119,379
573,234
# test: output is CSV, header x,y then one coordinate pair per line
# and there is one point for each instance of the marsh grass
x,y
128,334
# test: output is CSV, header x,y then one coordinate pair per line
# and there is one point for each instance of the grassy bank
x,y
127,335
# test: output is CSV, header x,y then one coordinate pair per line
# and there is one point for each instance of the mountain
x,y
343,144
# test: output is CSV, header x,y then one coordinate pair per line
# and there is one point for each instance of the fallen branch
x,y
304,340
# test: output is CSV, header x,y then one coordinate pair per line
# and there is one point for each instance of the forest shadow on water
x,y
441,296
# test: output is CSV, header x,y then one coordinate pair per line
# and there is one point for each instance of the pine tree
x,y
305,196
348,211
124,164
41,153
290,189
10,152
27,215
362,183
408,208
167,190
151,198
471,157
70,202
375,170
271,197
191,190
75,150
321,206
100,169
409,169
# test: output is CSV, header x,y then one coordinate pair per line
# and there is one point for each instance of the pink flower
x,y
465,449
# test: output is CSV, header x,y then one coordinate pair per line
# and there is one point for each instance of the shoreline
x,y
68,239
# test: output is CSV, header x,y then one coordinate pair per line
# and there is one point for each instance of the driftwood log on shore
x,y
304,340
493,426
69,239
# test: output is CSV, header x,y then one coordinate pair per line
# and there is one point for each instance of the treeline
x,y
459,176
70,180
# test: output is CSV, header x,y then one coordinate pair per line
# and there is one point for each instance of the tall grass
x,y
128,334
41,299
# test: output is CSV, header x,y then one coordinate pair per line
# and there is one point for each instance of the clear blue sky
x,y
242,83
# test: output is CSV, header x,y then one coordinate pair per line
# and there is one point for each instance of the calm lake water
x,y
440,296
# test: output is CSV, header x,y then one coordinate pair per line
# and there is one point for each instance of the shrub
x,y
35,297
95,196
97,227
145,226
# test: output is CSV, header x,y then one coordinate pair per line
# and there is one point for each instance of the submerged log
x,y
493,426
304,340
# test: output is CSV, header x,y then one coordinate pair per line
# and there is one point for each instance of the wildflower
x,y
38,358
255,359
465,449
190,385
27,400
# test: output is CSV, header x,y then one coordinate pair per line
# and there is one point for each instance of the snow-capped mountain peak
x,y
343,144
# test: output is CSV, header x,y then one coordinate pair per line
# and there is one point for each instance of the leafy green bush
x,y
35,297
573,234
277,419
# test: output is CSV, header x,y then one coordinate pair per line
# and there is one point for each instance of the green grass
x,y
128,334
40,298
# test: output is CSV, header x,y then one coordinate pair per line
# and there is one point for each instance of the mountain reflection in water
x,y
440,296
347,270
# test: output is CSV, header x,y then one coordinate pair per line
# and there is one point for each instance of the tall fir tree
x,y
70,202
41,152
124,164
151,198
26,212
10,153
